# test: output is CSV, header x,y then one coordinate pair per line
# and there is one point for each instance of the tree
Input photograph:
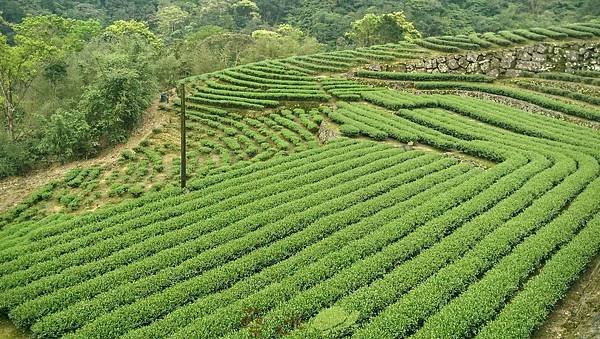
x,y
214,12
132,30
118,71
209,44
66,136
14,157
285,41
375,29
114,103
245,12
19,65
40,46
170,18
66,36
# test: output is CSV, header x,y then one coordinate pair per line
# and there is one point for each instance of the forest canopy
x,y
326,20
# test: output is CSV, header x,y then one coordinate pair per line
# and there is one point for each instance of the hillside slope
x,y
439,205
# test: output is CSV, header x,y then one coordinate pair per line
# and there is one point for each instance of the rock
x,y
431,63
507,60
471,57
538,57
511,62
524,56
571,55
494,73
512,73
473,67
375,67
540,48
452,64
484,65
494,62
328,132
530,66
400,68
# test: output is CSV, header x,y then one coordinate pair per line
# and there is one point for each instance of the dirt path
x,y
577,315
14,189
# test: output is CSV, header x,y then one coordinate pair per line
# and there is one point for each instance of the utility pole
x,y
183,141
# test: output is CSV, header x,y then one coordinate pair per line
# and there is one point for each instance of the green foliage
x,y
15,158
349,130
283,42
350,238
66,136
375,29
113,104
132,31
424,76
532,97
170,19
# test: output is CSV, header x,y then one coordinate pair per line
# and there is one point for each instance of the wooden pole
x,y
183,139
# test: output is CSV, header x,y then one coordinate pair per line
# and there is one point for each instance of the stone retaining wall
x,y
512,62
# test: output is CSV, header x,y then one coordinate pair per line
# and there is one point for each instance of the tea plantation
x,y
328,199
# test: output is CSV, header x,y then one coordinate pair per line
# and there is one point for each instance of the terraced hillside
x,y
329,200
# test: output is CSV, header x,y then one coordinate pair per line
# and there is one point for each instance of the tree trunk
x,y
10,119
9,110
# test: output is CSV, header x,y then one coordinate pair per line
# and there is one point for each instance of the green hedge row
x,y
150,214
533,98
181,252
584,28
222,101
549,33
407,196
371,299
424,76
457,44
226,319
531,306
268,96
259,79
437,47
362,273
427,298
559,92
481,301
127,239
495,39
476,39
347,189
272,75
511,36
572,32
584,77
530,35
312,66
252,84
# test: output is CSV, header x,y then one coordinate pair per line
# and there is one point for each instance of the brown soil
x,y
577,315
14,189
9,331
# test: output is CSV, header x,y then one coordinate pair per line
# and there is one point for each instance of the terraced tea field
x,y
329,203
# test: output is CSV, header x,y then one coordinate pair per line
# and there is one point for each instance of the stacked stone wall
x,y
541,57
